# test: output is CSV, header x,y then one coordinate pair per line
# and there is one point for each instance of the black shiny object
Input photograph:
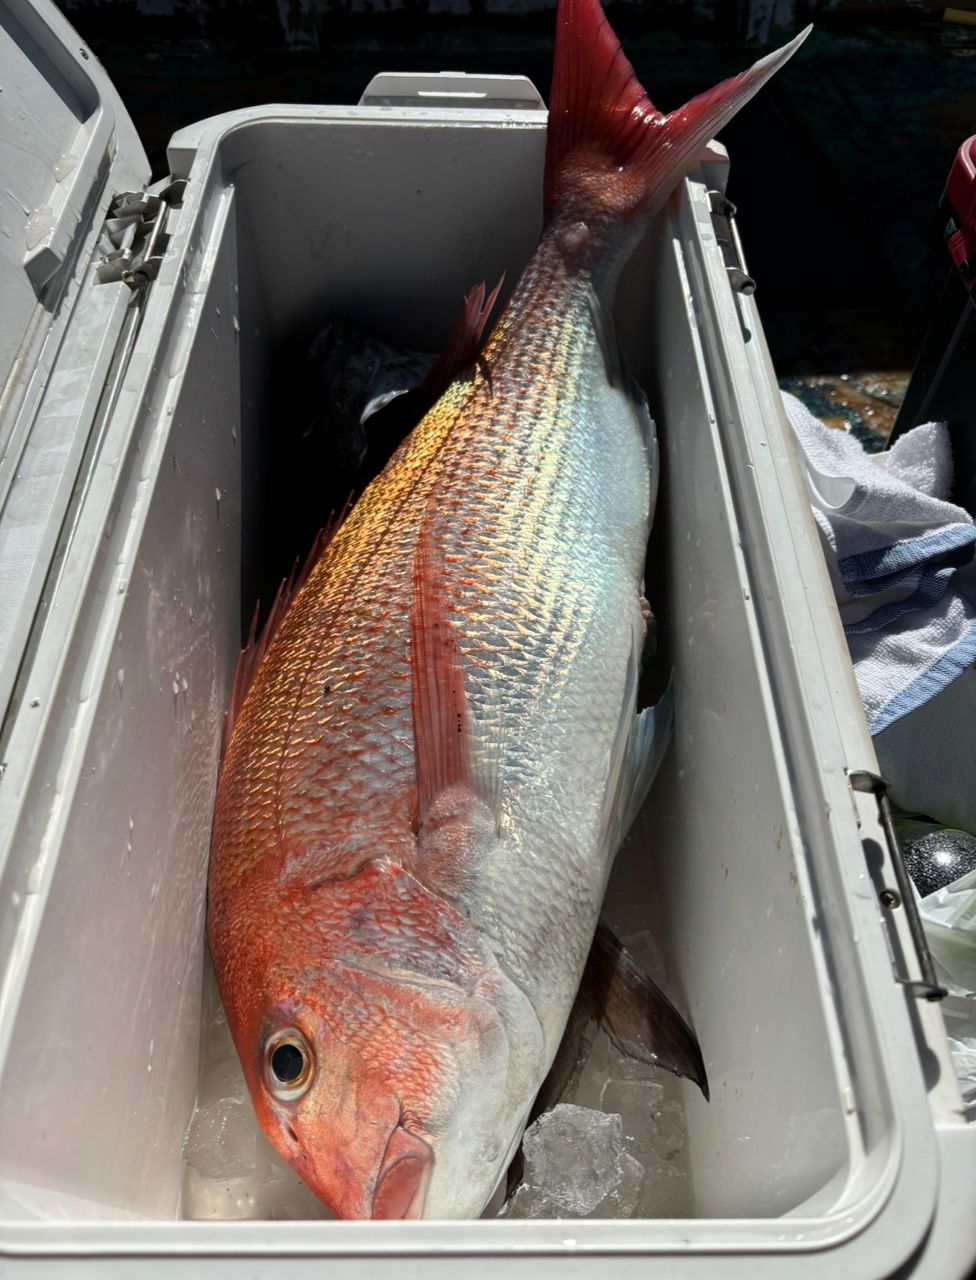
x,y
287,1063
938,858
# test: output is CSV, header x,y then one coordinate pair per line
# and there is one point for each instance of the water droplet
x,y
217,492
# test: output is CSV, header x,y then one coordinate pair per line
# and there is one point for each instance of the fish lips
x,y
397,1192
404,1178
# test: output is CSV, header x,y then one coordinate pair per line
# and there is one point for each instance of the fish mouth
x,y
401,1188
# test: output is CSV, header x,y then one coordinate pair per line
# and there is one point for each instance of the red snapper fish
x,y
438,750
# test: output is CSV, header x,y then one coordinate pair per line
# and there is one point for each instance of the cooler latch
x,y
134,235
927,987
727,235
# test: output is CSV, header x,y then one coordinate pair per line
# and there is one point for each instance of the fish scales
x,y
424,787
517,454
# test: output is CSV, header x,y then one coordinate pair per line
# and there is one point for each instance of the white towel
x,y
899,557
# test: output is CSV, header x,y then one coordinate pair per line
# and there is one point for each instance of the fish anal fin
x,y
257,645
637,1016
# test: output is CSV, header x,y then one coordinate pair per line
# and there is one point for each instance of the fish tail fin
x,y
609,150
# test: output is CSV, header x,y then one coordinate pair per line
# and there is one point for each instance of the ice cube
x,y
639,1104
222,1139
232,1171
621,1066
218,1042
666,1192
217,1199
530,1202
625,1196
668,1132
572,1154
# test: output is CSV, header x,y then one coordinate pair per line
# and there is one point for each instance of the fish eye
x,y
289,1064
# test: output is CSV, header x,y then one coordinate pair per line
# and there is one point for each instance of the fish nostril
x,y
292,1134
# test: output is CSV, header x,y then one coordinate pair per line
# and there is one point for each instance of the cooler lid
x,y
63,133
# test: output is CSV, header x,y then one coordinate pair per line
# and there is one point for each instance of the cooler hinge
x,y
927,986
727,235
134,237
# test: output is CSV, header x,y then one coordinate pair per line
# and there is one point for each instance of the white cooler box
x,y
835,1143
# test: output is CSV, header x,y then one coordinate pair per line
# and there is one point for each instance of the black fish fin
x,y
635,1013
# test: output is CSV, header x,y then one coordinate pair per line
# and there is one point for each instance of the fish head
x,y
334,1117
382,1074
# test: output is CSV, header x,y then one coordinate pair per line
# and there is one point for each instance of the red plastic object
x,y
961,193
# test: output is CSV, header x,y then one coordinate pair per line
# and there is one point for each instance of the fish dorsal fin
x,y
441,721
257,646
463,343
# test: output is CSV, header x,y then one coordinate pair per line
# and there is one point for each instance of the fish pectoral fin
x,y
652,733
635,1013
641,743
606,339
441,722
617,376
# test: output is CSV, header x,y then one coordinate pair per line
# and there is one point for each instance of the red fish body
x,y
435,760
